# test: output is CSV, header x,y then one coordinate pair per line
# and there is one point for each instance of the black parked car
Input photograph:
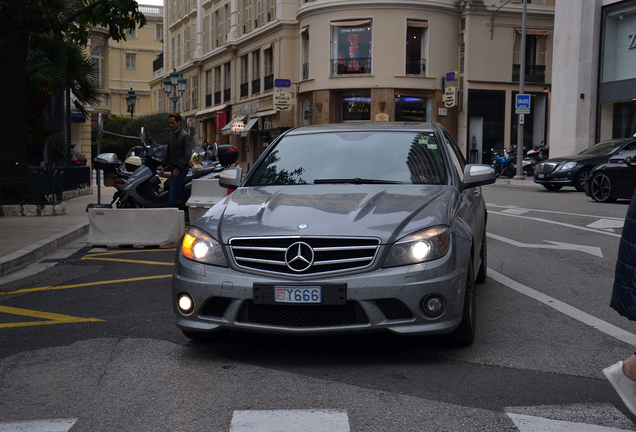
x,y
613,180
77,158
572,170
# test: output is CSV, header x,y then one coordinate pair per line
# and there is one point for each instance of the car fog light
x,y
185,303
434,305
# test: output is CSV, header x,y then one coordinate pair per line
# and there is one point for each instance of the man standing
x,y
177,157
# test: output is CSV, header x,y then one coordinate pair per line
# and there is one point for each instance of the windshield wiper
x,y
357,180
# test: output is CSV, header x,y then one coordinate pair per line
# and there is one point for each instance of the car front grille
x,y
302,316
304,255
546,167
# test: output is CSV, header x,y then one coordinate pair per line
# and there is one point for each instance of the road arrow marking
x,y
59,425
290,421
592,250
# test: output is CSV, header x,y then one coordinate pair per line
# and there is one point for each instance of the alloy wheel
x,y
601,188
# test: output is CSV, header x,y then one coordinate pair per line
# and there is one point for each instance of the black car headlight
x,y
427,245
567,166
200,247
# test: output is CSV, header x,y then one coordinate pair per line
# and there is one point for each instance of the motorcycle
x,y
144,188
533,157
503,163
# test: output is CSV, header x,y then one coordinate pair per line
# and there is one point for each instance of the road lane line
x,y
96,258
566,309
57,425
556,223
51,288
50,318
554,212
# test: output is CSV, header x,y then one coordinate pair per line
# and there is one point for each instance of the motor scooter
x,y
143,188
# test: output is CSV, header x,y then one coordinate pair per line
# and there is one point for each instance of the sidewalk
x,y
25,240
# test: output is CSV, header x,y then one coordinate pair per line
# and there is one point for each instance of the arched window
x,y
97,56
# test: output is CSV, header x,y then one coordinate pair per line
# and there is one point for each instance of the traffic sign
x,y
282,83
522,104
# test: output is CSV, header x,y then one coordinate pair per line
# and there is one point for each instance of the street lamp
x,y
130,101
177,83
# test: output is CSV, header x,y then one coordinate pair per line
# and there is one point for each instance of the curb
x,y
30,254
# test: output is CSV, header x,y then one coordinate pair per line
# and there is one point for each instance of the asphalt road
x,y
91,342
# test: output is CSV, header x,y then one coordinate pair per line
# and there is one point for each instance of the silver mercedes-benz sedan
x,y
340,228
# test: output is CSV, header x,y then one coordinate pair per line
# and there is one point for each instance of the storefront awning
x,y
210,111
77,117
421,24
534,32
227,129
350,23
266,113
249,126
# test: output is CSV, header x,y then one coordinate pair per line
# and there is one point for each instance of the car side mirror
x,y
478,175
231,178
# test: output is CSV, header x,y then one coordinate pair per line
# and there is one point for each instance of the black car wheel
x,y
465,333
601,188
579,181
552,187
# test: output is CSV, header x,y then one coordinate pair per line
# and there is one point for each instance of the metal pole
x,y
522,78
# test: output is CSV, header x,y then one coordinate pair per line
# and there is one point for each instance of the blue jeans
x,y
178,188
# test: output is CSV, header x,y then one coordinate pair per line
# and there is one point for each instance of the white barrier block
x,y
161,227
203,195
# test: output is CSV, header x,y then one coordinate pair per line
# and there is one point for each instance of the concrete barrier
x,y
162,227
203,195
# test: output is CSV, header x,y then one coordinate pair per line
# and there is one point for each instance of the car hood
x,y
385,211
578,158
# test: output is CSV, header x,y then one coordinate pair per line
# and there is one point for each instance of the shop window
x,y
413,109
307,112
356,106
351,47
415,47
619,43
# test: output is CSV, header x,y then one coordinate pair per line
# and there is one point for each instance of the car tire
x,y
579,180
215,336
483,255
552,187
465,333
601,188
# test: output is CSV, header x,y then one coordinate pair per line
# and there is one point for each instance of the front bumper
x,y
563,178
381,299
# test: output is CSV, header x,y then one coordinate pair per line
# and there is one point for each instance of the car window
x,y
456,156
603,148
401,157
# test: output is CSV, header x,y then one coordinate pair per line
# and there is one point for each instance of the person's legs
x,y
177,188
622,376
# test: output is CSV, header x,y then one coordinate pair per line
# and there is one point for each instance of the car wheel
x,y
579,182
465,333
552,187
215,336
601,188
483,255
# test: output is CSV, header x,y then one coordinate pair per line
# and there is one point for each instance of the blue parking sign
x,y
522,101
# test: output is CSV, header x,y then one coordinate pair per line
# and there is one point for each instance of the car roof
x,y
366,126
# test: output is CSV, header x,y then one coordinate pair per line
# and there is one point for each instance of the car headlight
x,y
567,166
200,247
423,246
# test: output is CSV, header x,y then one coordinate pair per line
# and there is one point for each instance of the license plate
x,y
540,175
295,294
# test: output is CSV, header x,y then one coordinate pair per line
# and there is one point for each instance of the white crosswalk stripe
x,y
56,425
290,421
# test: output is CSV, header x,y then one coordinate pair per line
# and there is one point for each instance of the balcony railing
x,y
217,98
350,66
269,82
416,67
227,95
534,73
244,90
256,86
305,71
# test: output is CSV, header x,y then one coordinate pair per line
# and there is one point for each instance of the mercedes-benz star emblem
x,y
299,256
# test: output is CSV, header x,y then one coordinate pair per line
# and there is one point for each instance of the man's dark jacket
x,y
179,150
624,293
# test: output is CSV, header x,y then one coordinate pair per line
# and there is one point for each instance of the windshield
x,y
353,157
603,148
